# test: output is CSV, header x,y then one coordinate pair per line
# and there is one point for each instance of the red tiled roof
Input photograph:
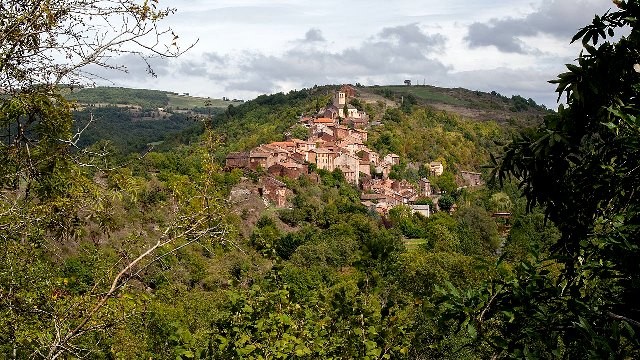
x,y
283,143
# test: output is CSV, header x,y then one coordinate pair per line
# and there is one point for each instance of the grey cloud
x,y
505,41
313,35
215,58
394,53
192,68
412,35
558,18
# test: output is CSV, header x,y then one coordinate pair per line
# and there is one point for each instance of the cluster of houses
x,y
337,138
336,141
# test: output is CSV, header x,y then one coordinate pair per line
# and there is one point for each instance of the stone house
x,y
350,166
436,168
340,132
369,155
399,185
358,123
351,144
323,158
392,159
425,187
276,154
258,158
237,160
362,134
326,137
300,157
274,190
287,145
289,169
365,167
302,146
384,168
472,178
423,210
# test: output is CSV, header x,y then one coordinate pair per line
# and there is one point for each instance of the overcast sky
x,y
250,47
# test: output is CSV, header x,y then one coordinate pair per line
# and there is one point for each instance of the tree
x,y
581,166
500,202
48,194
445,202
51,42
445,182
299,132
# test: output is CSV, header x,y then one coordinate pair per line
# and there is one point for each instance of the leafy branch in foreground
x,y
583,167
50,202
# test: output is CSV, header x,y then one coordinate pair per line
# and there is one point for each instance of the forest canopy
x,y
163,254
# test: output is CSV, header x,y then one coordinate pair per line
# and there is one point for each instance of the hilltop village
x,y
337,135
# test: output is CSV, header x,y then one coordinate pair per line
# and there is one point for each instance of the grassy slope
x,y
427,94
189,102
471,104
143,97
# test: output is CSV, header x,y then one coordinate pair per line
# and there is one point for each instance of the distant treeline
x,y
128,134
148,99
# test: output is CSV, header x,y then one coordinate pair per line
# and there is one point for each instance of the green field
x,y
190,102
149,99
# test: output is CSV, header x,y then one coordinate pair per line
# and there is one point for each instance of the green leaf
x,y
471,329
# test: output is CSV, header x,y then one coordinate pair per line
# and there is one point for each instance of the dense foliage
x,y
266,118
425,134
167,256
325,278
127,132
580,299
147,99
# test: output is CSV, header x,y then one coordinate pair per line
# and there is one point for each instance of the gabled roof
x,y
273,148
237,155
350,139
283,144
258,153
372,196
323,120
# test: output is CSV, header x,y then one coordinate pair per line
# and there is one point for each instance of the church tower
x,y
339,99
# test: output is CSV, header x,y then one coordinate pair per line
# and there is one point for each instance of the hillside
x,y
335,222
147,99
419,129
325,269
471,104
133,119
